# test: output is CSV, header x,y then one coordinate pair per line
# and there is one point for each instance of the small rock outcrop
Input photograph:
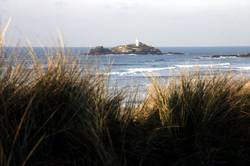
x,y
244,55
232,55
99,50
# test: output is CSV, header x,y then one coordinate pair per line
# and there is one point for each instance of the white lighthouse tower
x,y
137,43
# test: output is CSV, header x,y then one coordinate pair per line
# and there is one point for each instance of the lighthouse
x,y
137,43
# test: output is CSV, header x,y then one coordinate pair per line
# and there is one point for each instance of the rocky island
x,y
137,48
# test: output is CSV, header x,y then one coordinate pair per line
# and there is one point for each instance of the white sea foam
x,y
204,65
114,73
244,68
133,71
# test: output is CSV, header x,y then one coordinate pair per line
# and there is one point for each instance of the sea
x,y
136,71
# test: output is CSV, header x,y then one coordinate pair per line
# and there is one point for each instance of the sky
x,y
113,22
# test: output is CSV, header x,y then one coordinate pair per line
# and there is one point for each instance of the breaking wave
x,y
133,71
204,65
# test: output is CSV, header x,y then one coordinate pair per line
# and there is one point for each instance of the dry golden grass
x,y
65,115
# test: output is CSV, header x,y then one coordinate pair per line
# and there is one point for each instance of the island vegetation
x,y
65,115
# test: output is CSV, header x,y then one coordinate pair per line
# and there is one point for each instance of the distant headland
x,y
137,48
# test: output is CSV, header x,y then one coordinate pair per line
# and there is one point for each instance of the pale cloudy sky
x,y
112,22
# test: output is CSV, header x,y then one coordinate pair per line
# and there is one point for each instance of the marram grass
x,y
64,115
